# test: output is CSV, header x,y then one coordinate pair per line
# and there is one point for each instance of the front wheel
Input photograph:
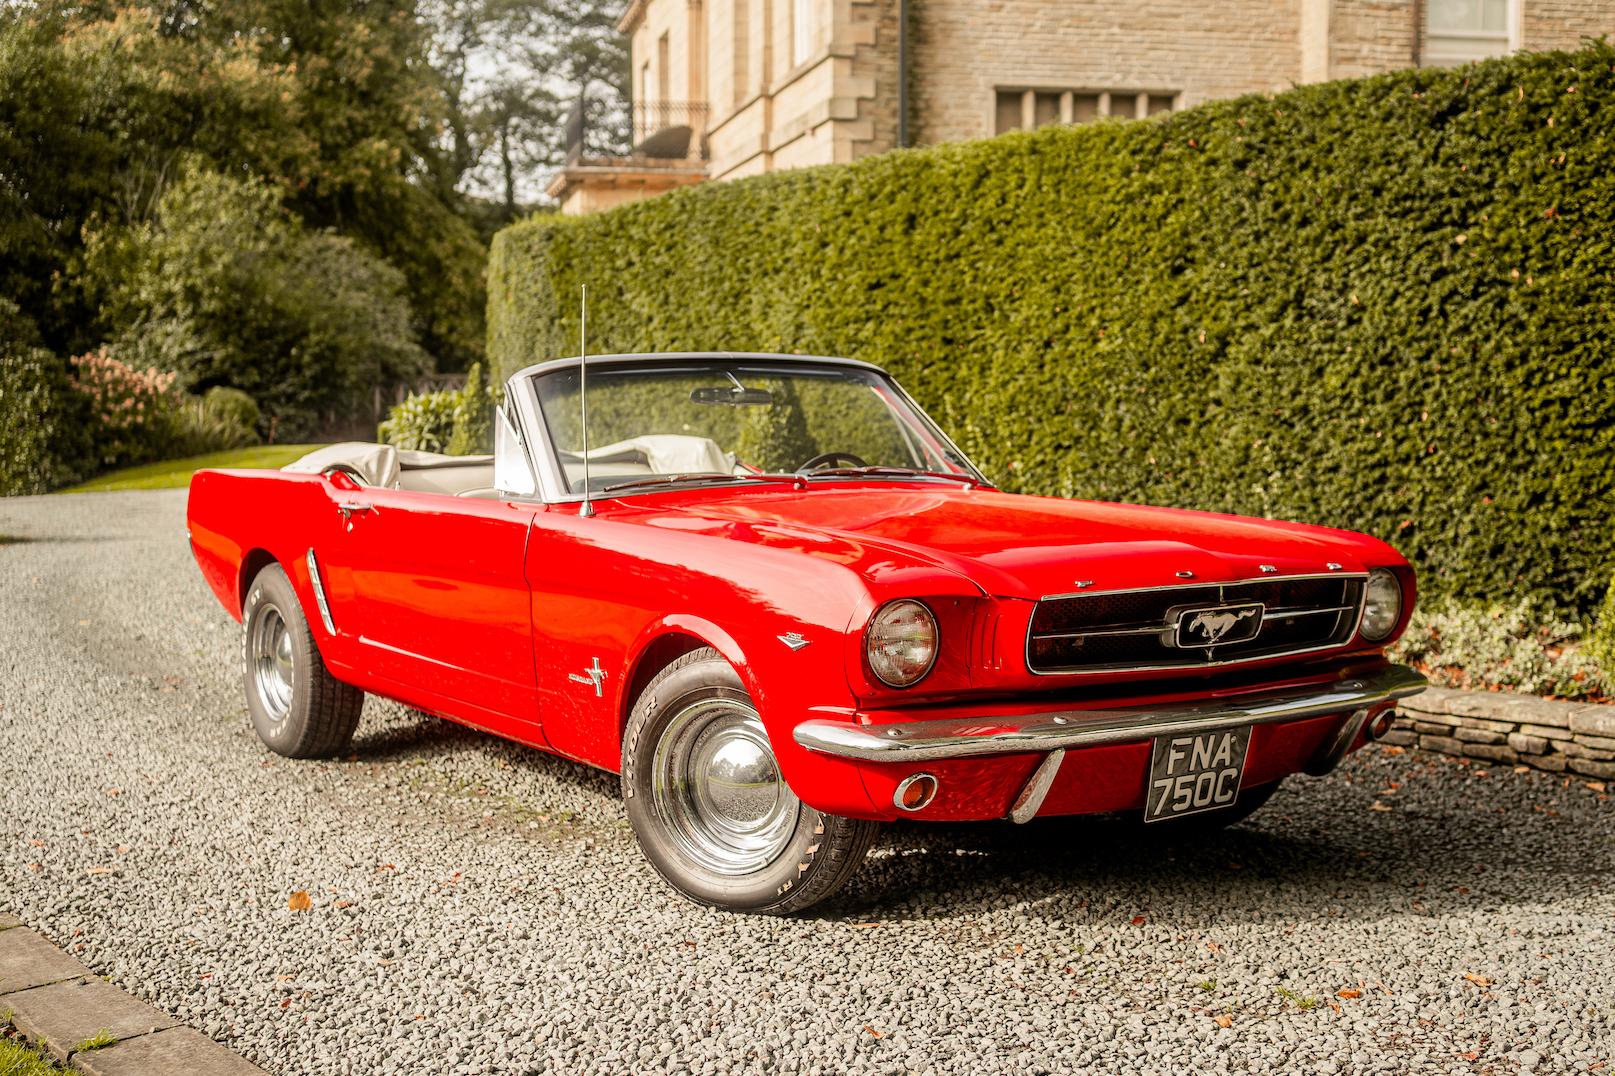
x,y
709,807
298,708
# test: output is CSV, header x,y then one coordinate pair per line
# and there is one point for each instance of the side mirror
x,y
512,473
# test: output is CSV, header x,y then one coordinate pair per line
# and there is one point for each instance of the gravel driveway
x,y
479,907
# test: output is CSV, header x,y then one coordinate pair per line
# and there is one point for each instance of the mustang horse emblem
x,y
1214,625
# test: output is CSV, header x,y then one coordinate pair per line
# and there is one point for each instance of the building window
x,y
664,68
1019,109
1458,31
801,31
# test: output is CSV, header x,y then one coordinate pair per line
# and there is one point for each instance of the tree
x,y
222,287
333,103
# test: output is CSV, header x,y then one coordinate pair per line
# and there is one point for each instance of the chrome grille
x,y
1138,629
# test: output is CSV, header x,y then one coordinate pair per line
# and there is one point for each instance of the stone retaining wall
x,y
1503,727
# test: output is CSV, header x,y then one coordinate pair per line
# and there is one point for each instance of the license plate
x,y
1196,772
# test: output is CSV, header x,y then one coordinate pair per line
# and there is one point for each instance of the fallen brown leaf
x,y
299,901
1348,993
286,1003
1225,1021
99,870
1137,919
1378,806
1478,980
873,1032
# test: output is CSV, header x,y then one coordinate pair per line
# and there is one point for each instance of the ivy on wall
x,y
1380,304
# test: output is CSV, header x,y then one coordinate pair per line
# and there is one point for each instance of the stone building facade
x,y
771,84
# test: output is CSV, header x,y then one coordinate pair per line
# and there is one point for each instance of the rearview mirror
x,y
732,396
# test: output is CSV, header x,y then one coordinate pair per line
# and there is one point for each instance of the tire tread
x,y
332,708
844,843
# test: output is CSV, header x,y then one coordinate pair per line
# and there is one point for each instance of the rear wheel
x,y
298,708
709,807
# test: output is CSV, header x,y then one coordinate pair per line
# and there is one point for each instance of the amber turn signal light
x,y
915,792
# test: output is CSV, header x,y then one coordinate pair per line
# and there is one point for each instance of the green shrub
x,y
1601,641
222,289
218,420
458,423
422,423
42,444
1381,304
473,415
233,406
1515,646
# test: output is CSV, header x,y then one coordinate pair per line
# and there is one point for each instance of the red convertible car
x,y
770,593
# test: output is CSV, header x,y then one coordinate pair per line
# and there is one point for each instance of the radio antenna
x,y
583,393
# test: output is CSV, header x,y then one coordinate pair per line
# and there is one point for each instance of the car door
x,y
590,600
431,589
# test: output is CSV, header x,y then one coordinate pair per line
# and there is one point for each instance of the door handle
x,y
347,508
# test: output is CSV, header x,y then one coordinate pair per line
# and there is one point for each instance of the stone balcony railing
x,y
1498,726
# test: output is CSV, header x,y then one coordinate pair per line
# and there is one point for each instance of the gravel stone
x,y
479,907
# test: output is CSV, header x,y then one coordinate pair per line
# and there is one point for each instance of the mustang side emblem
x,y
1224,624
794,640
596,676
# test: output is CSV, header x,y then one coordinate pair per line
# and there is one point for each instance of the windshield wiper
x,y
699,476
892,472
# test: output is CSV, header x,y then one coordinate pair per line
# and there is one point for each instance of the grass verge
x,y
17,1058
172,474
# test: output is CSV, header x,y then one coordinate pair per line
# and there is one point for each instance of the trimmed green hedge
x,y
1379,304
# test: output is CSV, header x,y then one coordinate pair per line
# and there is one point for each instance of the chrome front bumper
x,y
924,741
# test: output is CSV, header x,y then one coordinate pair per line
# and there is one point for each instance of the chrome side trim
x,y
924,741
1154,629
1030,801
1206,583
319,591
1292,614
1098,670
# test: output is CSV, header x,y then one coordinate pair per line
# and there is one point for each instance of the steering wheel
x,y
830,457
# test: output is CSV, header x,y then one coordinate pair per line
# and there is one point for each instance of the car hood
x,y
1012,545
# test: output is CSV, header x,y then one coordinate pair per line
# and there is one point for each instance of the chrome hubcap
x,y
271,652
718,790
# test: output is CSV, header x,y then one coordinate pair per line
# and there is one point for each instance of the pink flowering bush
x,y
137,416
133,411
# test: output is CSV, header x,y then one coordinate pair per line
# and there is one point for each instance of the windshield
x,y
732,420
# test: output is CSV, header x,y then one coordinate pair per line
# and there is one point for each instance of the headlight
x,y
1382,605
901,642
